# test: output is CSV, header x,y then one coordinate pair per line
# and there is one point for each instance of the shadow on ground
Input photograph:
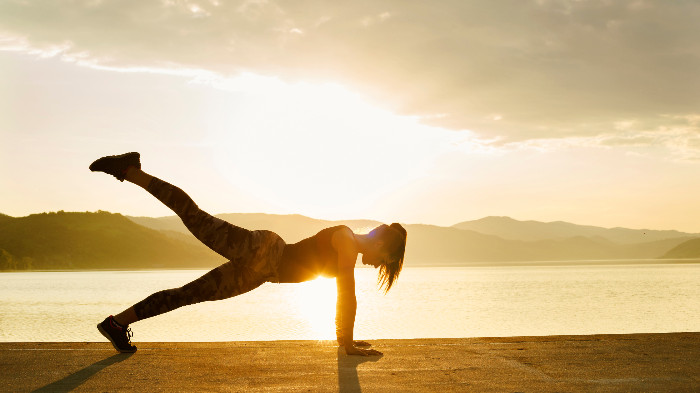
x,y
79,377
348,380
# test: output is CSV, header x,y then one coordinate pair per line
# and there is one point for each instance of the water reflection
x,y
315,304
426,302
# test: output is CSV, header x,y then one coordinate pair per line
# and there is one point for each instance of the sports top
x,y
306,259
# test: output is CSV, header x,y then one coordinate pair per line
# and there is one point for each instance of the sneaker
x,y
120,336
117,165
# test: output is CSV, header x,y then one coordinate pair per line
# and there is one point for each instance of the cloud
x,y
511,70
676,138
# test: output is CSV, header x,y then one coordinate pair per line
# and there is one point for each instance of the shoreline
x,y
332,342
620,362
571,263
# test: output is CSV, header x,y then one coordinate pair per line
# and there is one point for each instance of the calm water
x,y
426,302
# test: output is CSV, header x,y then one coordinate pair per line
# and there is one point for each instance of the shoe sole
x,y
126,156
104,333
133,159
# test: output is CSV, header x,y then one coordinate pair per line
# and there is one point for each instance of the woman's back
x,y
308,258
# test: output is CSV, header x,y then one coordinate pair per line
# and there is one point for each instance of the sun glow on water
x,y
427,302
316,305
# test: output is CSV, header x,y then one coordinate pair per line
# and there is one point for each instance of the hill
x,y
104,240
508,228
291,228
439,245
99,240
687,249
434,245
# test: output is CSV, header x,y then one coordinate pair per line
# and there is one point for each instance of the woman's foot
x,y
117,165
119,336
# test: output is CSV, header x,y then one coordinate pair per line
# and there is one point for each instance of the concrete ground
x,y
599,363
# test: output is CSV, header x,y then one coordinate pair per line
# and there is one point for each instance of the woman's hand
x,y
341,343
353,350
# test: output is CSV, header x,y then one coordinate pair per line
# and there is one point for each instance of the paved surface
x,y
600,363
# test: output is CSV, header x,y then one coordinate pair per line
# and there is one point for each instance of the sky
x,y
408,111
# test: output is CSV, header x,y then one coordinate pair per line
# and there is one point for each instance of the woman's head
x,y
391,240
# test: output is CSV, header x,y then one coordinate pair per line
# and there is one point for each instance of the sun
x,y
316,149
316,306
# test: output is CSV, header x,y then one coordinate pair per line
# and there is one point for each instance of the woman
x,y
256,257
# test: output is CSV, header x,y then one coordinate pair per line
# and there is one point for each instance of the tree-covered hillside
x,y
688,249
443,246
104,240
99,240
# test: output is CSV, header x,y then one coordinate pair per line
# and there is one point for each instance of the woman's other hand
x,y
341,343
362,352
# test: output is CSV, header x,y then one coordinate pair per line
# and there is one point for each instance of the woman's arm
x,y
346,305
338,320
339,327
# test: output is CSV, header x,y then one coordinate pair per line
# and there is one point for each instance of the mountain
x,y
291,228
688,249
440,245
99,240
105,240
508,228
434,245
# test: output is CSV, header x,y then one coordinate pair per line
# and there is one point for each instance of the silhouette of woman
x,y
256,257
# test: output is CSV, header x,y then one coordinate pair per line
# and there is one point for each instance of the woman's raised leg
x,y
226,239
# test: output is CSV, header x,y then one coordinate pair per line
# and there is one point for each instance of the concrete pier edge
x,y
601,363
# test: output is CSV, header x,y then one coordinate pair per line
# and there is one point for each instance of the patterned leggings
x,y
253,256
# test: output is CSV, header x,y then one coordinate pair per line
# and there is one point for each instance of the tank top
x,y
313,256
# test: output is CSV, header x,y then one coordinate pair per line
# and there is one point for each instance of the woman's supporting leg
x,y
223,282
228,280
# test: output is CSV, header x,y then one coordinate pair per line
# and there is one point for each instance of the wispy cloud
x,y
509,70
675,137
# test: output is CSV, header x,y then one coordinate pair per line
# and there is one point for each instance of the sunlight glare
x,y
317,149
316,306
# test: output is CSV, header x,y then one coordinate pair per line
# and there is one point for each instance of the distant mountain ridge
x,y
291,227
102,240
685,250
435,245
450,246
508,228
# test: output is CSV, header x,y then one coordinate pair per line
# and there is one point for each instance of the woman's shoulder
x,y
342,230
343,238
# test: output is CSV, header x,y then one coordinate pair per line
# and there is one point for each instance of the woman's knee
x,y
159,303
200,290
194,218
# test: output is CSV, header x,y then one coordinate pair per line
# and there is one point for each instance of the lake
x,y
426,302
